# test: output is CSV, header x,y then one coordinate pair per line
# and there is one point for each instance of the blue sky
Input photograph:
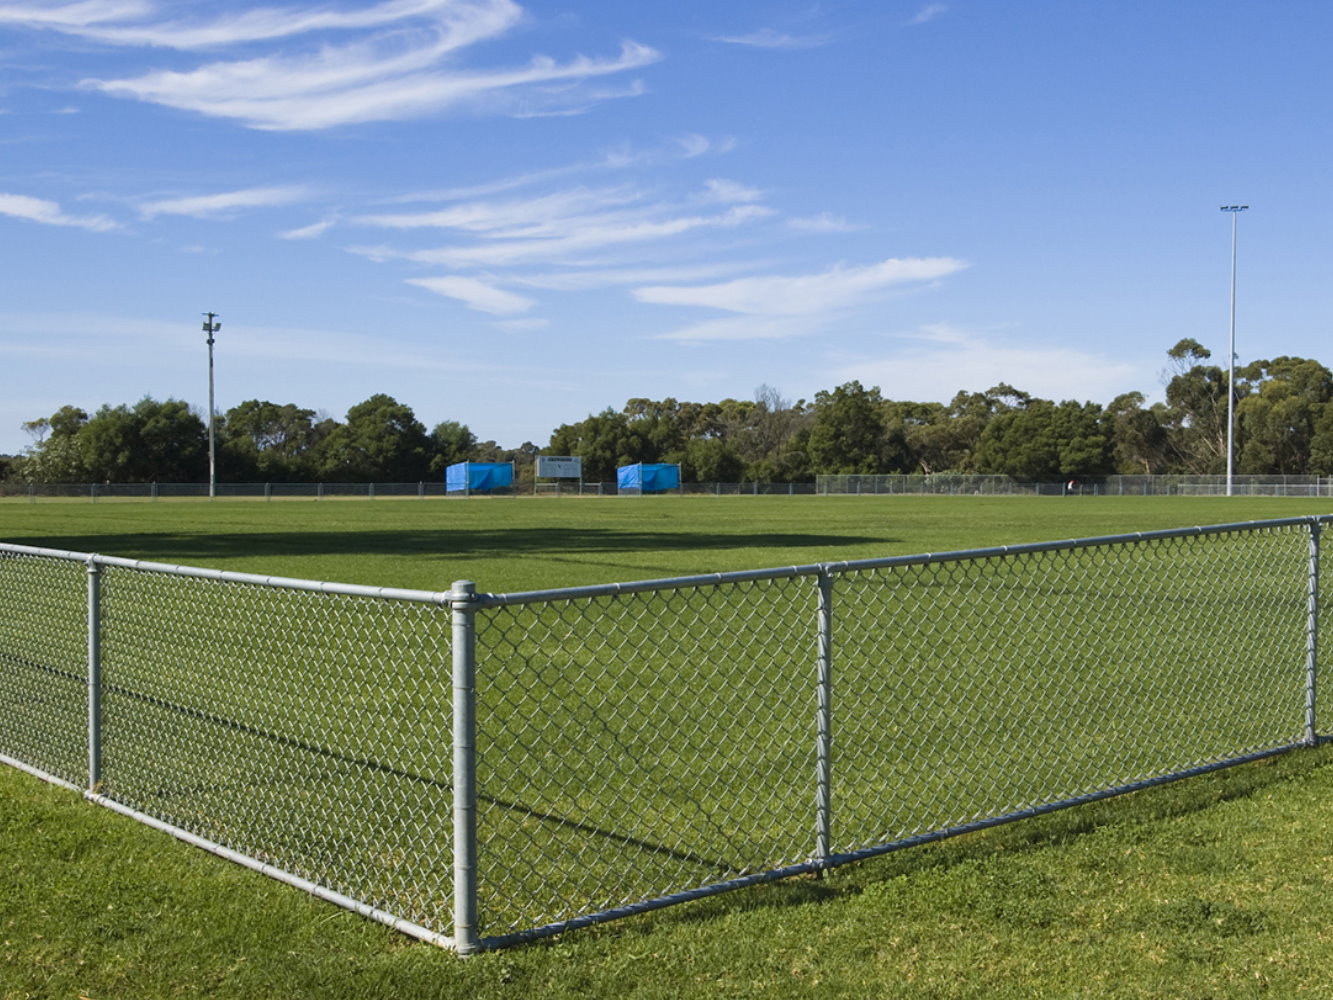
x,y
516,214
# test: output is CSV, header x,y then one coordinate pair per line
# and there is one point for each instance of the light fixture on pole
x,y
1235,210
211,326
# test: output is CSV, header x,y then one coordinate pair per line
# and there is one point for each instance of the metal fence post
x,y
94,675
824,751
465,771
1312,638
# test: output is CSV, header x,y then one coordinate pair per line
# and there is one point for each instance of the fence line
x,y
825,485
482,769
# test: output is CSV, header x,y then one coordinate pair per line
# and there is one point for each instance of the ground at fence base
x,y
1214,886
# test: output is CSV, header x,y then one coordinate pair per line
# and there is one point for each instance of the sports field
x,y
942,921
529,544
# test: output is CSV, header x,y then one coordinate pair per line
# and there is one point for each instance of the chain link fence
x,y
481,769
954,484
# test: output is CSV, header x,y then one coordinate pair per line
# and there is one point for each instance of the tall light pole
x,y
211,326
1235,211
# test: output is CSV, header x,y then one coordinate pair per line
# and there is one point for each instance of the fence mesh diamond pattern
x,y
637,744
306,730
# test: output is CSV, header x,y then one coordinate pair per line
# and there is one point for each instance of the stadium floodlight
x,y
1235,210
211,326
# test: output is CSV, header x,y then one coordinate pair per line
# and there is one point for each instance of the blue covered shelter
x,y
478,477
645,478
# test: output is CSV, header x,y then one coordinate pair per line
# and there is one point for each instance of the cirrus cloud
x,y
787,295
22,206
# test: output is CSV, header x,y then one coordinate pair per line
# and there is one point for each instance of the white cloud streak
x,y
476,294
824,222
355,84
770,38
929,13
323,66
310,232
212,206
21,206
786,295
562,241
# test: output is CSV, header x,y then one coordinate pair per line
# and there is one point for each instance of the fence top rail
x,y
230,576
483,600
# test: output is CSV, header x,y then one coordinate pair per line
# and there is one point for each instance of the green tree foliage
x,y
848,433
1043,441
269,442
57,456
1139,435
150,441
1284,425
1196,398
1279,416
451,443
382,441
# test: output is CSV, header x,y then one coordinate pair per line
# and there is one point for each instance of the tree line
x,y
1284,410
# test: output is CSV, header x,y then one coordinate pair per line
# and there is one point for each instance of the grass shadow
x,y
429,543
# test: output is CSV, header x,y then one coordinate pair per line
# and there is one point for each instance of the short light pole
x,y
1235,210
211,326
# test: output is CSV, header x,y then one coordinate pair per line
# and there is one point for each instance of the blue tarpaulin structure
x,y
478,477
648,478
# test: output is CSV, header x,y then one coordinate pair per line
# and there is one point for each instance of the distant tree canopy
x,y
1284,424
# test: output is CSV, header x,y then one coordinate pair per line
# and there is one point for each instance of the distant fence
x,y
329,491
969,485
870,485
482,769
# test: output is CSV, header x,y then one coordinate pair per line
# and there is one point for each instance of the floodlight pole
x,y
211,327
1235,210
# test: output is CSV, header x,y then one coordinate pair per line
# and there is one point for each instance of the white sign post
x,y
559,467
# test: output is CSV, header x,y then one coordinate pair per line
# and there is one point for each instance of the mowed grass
x,y
511,544
1210,887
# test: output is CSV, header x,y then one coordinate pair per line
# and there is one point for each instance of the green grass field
x,y
1204,888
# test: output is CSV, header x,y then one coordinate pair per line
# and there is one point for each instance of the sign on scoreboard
x,y
559,467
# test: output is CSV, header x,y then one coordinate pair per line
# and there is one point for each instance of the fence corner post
x,y
94,675
1312,638
824,725
463,607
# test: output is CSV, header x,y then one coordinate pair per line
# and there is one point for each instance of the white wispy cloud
x,y
475,293
824,222
793,295
73,16
770,38
549,242
584,279
224,203
464,21
619,158
733,328
372,81
289,68
928,13
310,232
21,206
731,192
542,215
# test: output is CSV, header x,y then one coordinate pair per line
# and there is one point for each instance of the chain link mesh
x,y
655,741
968,690
44,664
617,733
310,731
